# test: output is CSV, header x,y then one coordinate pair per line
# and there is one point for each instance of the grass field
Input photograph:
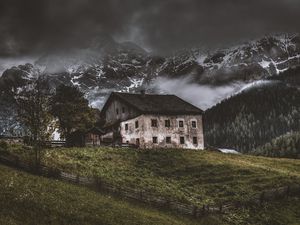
x,y
32,200
197,177
190,176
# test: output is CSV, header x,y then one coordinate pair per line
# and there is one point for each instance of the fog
x,y
6,63
202,96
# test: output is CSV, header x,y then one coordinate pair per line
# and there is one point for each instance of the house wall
x,y
111,115
145,132
107,138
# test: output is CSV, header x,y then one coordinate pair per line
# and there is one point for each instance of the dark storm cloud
x,y
216,22
162,25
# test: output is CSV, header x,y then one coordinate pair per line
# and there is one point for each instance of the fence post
x,y
221,208
17,162
261,199
77,179
203,209
59,174
288,191
167,202
141,195
195,209
98,183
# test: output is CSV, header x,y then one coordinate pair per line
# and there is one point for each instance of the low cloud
x,y
203,96
7,63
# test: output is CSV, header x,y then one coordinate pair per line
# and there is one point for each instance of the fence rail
x,y
55,144
149,198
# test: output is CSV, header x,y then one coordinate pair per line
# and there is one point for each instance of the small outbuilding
x,y
93,137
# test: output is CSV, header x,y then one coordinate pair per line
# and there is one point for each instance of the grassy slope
x,y
25,198
189,176
32,200
284,212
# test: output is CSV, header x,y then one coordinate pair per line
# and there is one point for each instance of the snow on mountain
x,y
255,84
6,63
127,67
109,66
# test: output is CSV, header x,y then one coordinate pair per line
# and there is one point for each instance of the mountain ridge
x,y
102,68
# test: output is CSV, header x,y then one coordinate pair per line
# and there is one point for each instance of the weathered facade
x,y
154,131
119,111
153,121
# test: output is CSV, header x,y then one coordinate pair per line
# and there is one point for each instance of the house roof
x,y
95,130
153,103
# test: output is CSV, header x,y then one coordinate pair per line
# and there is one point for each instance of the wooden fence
x,y
99,185
55,144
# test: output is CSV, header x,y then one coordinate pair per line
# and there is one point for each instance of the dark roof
x,y
95,130
152,103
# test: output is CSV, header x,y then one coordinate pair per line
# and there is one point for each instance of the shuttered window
x,y
195,140
168,140
182,140
167,123
154,123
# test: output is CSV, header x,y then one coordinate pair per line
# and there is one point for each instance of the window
x,y
168,140
167,123
137,124
117,111
180,123
154,123
195,140
181,140
194,124
123,109
154,139
126,126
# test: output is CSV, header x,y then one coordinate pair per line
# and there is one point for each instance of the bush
x,y
3,146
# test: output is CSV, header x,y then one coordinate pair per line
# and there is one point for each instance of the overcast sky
x,y
29,26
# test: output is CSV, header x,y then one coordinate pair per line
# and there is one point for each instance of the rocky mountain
x,y
105,65
108,65
250,61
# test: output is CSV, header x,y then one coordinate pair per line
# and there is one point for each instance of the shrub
x,y
3,146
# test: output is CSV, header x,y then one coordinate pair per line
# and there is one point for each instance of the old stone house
x,y
152,121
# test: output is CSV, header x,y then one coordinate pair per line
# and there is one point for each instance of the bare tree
x,y
32,102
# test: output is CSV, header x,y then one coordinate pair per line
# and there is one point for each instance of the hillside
x,y
254,116
194,177
188,176
287,145
28,200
